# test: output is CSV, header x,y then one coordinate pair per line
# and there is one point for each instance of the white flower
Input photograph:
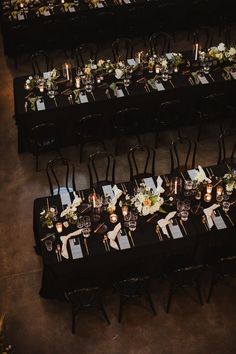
x,y
74,217
52,210
43,212
164,63
30,77
221,47
232,51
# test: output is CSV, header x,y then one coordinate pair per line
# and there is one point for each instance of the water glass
x,y
179,206
86,232
87,221
51,93
132,225
165,75
184,215
80,222
225,206
188,186
186,205
48,245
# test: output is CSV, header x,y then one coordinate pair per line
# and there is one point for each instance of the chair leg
x,y
169,300
104,313
151,303
73,323
81,152
117,145
37,162
139,139
211,288
198,289
120,310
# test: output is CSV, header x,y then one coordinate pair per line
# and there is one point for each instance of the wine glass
x,y
87,221
80,222
179,206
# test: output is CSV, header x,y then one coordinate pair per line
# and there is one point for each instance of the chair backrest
x,y
133,287
160,43
86,52
181,150
41,62
84,297
44,132
213,104
91,126
122,49
61,174
127,118
141,161
203,36
222,155
105,163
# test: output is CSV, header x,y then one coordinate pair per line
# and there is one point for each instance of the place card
x,y
119,93
218,220
123,240
169,56
40,105
175,230
192,174
203,79
100,5
75,247
131,62
83,97
108,191
47,75
159,86
71,9
149,183
233,74
20,17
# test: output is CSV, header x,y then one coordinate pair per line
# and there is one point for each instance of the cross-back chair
x,y
122,49
107,164
41,62
160,43
141,161
182,154
61,176
86,52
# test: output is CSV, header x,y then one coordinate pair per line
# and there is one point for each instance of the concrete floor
x,y
39,326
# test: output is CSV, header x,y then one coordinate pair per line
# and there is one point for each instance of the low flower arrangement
x,y
230,181
222,53
47,216
146,201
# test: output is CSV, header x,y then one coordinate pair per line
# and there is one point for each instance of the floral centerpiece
x,y
176,59
230,181
217,54
146,200
71,212
47,216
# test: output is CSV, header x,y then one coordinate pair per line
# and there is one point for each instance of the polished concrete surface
x,y
39,326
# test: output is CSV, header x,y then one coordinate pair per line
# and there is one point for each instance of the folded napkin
x,y
159,188
164,222
64,240
152,82
33,102
208,212
76,93
117,193
201,176
73,207
112,236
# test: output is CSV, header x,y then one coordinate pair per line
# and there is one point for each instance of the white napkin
x,y
159,188
208,212
164,222
47,75
112,236
201,176
73,207
64,240
117,193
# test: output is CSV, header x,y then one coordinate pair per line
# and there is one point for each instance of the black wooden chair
x,y
185,277
171,114
160,43
90,129
182,154
223,157
83,299
211,108
43,138
223,268
41,62
86,52
126,122
105,163
141,162
204,36
122,49
61,176
133,288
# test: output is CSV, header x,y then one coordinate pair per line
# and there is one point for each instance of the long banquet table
x,y
146,254
30,28
65,112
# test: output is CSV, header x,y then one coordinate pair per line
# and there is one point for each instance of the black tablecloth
x,y
65,114
147,254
